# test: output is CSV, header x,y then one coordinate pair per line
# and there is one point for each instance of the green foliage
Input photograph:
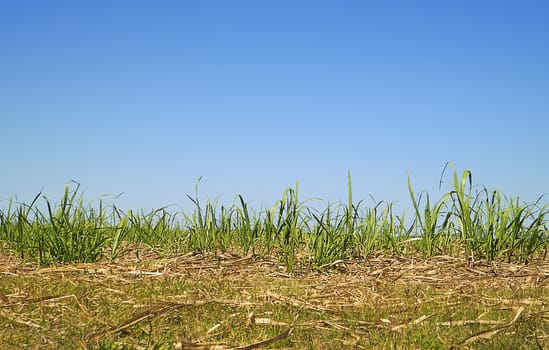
x,y
467,220
434,236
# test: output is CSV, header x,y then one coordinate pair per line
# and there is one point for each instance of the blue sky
x,y
145,97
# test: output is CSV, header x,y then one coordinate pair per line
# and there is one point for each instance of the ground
x,y
145,300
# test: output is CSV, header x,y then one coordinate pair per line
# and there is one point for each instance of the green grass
x,y
467,221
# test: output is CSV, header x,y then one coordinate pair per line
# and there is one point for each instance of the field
x,y
467,271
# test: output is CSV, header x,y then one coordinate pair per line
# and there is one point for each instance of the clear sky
x,y
144,97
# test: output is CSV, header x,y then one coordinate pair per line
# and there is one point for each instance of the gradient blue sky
x,y
144,97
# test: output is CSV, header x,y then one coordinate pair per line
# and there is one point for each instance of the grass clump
x,y
70,232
